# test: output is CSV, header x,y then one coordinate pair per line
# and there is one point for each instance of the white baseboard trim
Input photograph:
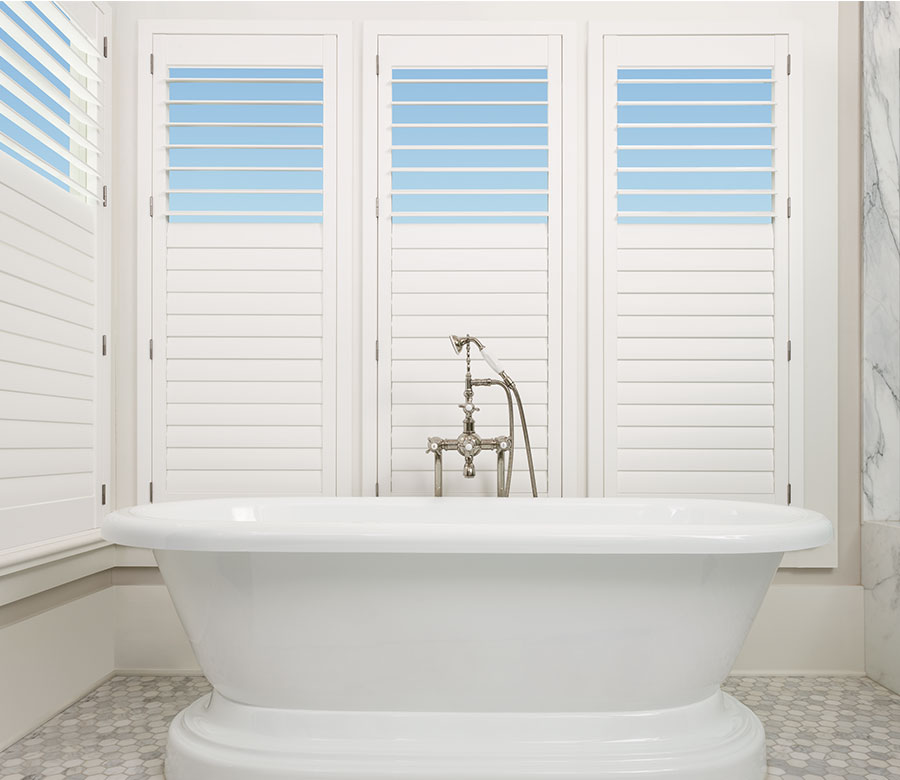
x,y
66,703
806,630
792,673
156,672
51,660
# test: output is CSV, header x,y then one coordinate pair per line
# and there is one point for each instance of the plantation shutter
x,y
244,265
469,241
696,266
53,282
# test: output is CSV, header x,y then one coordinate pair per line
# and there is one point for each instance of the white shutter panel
x,y
53,299
696,266
469,242
244,265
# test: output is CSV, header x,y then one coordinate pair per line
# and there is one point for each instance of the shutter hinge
x,y
103,346
377,65
789,493
105,196
789,64
105,46
376,490
789,350
789,207
376,207
151,63
151,349
151,205
151,492
102,495
376,349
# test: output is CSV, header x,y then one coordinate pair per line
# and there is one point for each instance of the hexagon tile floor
x,y
818,728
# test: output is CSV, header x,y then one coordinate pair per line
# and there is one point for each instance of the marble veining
x,y
881,580
881,262
881,340
817,728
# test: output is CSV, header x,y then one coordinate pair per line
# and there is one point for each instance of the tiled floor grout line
x,y
818,728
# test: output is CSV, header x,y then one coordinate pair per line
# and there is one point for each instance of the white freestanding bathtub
x,y
466,639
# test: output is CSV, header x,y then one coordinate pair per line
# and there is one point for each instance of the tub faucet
x,y
469,443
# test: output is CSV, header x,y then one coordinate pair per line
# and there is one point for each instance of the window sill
x,y
28,570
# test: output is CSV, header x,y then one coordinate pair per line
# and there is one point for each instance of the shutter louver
x,y
244,266
695,264
50,91
53,303
469,165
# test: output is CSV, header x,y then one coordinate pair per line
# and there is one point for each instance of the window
x,y
244,265
54,307
696,267
694,146
245,145
50,88
469,146
469,241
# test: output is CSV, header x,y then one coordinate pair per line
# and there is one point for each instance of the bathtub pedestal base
x,y
218,739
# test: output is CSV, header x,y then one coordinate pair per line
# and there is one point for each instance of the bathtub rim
x,y
470,525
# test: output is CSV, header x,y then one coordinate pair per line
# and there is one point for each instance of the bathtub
x,y
466,639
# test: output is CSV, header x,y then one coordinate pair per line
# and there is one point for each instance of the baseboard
x,y
61,708
806,630
157,672
148,632
51,660
793,673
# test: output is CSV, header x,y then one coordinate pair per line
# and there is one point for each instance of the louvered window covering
x,y
50,91
244,265
54,306
694,145
696,266
469,242
469,145
245,145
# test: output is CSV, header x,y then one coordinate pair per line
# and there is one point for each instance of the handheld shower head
x,y
459,342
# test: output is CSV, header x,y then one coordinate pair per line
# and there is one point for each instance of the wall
x,y
38,678
830,34
881,342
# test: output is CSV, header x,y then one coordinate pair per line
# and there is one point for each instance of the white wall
x,y
52,658
830,33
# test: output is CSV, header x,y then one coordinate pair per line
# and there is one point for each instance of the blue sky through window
x,y
267,121
12,104
705,111
443,118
